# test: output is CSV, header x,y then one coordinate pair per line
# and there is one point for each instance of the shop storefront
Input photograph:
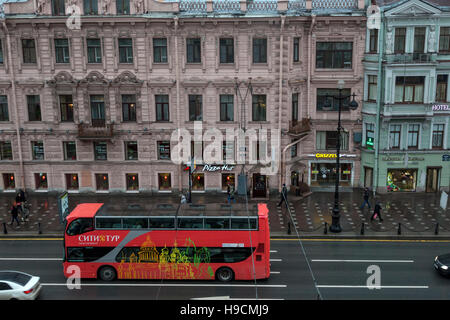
x,y
323,170
401,180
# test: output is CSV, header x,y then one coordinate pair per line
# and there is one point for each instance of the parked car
x,y
15,285
442,264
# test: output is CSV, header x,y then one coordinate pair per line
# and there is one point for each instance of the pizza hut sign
x,y
441,107
213,168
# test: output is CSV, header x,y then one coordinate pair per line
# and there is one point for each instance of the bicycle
x,y
24,209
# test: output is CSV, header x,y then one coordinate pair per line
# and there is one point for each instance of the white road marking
x,y
274,272
168,285
273,251
365,261
228,298
366,287
31,259
275,260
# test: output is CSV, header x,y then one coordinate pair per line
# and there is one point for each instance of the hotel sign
x,y
440,107
446,157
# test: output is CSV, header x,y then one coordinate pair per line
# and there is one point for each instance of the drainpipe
x,y
16,113
379,100
283,163
308,95
177,75
280,91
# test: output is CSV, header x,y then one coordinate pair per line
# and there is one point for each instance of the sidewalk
x,y
417,214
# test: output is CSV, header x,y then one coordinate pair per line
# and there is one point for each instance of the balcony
x,y
407,110
97,130
299,127
411,58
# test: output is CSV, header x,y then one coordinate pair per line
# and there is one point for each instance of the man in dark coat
x,y
283,195
366,198
15,214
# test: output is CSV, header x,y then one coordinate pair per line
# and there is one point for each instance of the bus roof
x,y
84,210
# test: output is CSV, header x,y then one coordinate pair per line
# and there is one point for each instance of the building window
x,y
5,150
125,51
70,150
160,50
9,182
62,51
40,180
228,179
123,6
132,180
131,150
441,87
34,108
400,40
226,107
129,107
294,151
193,50
94,50
100,151
4,114
228,151
198,182
195,108
370,135
409,89
438,136
163,150
401,180
226,50
444,39
372,87
395,132
325,96
294,116
373,40
72,181
259,107
164,182
419,39
296,50
162,107
66,108
37,150
334,55
58,8
90,7
413,136
260,50
197,150
1,52
29,51
98,110
327,140
102,181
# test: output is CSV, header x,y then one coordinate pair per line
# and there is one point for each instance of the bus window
x,y
108,223
135,223
162,223
80,226
190,223
243,223
86,254
235,254
217,223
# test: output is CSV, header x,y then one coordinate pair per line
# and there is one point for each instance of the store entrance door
x,y
259,185
368,177
432,179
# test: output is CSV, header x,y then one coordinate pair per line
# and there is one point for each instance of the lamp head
x,y
341,84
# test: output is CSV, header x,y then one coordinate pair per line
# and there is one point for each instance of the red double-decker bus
x,y
166,241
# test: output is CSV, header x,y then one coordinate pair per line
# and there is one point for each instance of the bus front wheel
x,y
224,274
107,273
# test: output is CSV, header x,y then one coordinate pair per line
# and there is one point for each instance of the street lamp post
x,y
353,105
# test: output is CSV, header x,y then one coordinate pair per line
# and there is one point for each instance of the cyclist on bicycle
x,y
21,204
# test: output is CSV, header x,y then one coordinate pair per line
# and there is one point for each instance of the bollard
x,y
289,227
399,231
436,230
325,230
39,226
4,228
362,228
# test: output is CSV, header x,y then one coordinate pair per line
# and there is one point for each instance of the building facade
x,y
92,93
406,101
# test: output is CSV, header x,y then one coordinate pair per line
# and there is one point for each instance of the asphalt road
x,y
340,269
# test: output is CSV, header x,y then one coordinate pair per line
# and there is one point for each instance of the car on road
x,y
16,285
442,264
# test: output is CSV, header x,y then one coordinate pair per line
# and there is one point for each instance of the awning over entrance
x,y
299,167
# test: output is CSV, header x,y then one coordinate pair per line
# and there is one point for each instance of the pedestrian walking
x,y
366,198
230,192
183,199
14,214
377,212
283,195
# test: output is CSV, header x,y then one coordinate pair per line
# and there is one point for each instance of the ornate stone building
x,y
92,90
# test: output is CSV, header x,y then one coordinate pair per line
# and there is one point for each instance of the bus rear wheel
x,y
224,274
107,273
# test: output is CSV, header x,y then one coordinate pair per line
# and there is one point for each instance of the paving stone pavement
x,y
417,213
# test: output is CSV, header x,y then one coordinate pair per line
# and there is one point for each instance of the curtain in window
x,y
321,137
